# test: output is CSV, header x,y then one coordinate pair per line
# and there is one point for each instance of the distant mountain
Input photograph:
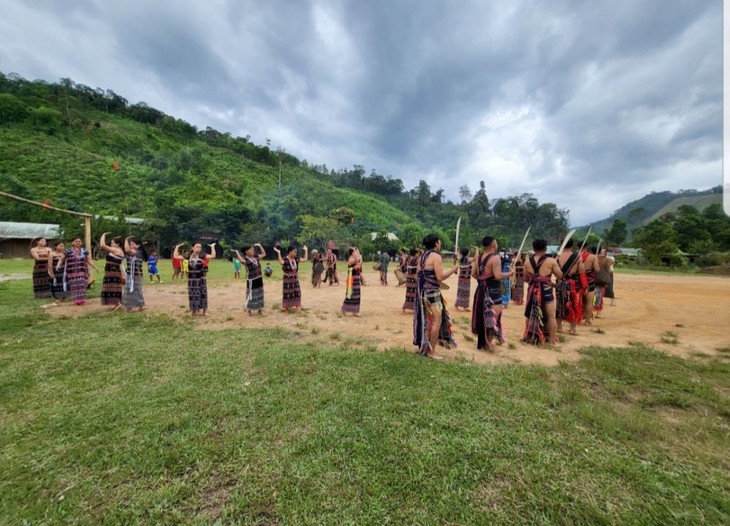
x,y
656,204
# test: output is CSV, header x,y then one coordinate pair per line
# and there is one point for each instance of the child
x,y
152,267
268,270
236,269
185,265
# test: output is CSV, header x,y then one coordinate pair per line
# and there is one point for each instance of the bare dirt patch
x,y
694,308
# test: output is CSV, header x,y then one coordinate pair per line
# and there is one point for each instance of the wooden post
x,y
87,234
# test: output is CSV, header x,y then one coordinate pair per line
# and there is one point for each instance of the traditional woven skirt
x,y
77,275
352,296
111,287
255,293
197,289
59,287
463,292
41,279
410,301
485,322
133,299
428,304
291,291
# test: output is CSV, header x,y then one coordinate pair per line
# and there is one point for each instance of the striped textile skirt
x,y
410,301
41,279
111,286
255,293
352,297
291,291
463,292
197,290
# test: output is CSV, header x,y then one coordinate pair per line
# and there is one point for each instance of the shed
x,y
16,238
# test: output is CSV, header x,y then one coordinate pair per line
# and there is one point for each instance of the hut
x,y
16,238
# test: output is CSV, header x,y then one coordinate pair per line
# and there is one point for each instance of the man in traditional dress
x,y
486,317
590,263
431,321
540,305
384,261
330,269
569,306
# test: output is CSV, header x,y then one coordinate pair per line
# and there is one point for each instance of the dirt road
x,y
681,314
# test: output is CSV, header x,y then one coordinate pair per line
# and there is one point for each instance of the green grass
x,y
122,419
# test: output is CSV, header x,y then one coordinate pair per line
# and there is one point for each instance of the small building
x,y
16,238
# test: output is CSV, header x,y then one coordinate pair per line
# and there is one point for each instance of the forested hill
x,y
654,205
90,150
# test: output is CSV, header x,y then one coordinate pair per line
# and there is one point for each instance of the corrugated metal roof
x,y
12,230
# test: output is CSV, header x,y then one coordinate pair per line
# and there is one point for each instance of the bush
x,y
714,259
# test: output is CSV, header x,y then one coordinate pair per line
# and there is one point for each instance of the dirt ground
x,y
683,315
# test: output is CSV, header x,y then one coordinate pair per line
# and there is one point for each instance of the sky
x,y
586,104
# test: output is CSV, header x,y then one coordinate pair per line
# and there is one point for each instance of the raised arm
x,y
306,253
176,253
262,251
212,254
278,256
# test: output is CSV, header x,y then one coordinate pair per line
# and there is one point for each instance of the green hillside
x,y
654,205
700,202
89,150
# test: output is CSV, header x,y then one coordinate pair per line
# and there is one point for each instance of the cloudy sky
x,y
587,104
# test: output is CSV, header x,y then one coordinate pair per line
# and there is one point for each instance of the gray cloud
x,y
585,104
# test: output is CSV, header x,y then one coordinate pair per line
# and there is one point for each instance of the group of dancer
x,y
582,279
574,297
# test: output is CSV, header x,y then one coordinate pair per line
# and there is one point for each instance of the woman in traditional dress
x,y
463,292
254,278
132,296
197,282
75,263
352,291
411,266
518,284
59,285
291,290
111,285
41,276
431,321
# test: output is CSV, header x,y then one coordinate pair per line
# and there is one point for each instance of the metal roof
x,y
11,230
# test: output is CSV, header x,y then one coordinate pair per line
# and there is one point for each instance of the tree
x,y
12,109
465,194
617,233
657,241
319,230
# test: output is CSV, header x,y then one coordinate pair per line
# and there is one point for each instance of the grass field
x,y
137,418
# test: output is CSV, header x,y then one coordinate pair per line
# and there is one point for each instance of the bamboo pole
x,y
87,217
